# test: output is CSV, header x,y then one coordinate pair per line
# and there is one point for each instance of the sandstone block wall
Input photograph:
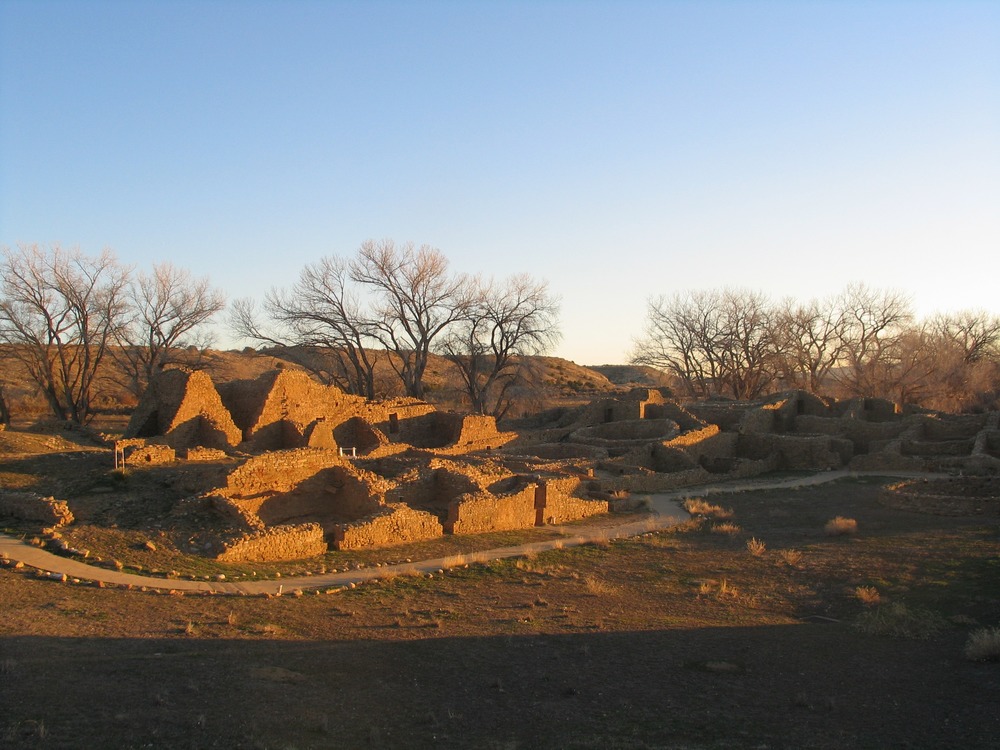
x,y
393,523
26,506
797,451
185,408
204,454
280,471
150,454
275,543
557,500
484,512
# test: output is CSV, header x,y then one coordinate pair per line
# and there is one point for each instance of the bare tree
x,y
415,299
504,322
320,315
675,337
749,346
59,313
167,306
812,341
716,342
874,321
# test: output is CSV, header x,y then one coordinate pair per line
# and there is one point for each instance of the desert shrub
x,y
868,595
696,506
730,529
598,587
791,556
899,621
983,645
840,526
756,547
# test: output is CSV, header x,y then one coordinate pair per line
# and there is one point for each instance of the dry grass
x,y
899,621
868,595
722,590
598,587
756,547
983,645
841,526
696,506
791,557
728,528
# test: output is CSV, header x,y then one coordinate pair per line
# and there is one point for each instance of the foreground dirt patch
x,y
671,640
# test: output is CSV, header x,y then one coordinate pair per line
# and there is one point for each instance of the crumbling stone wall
x,y
484,512
138,451
27,506
797,451
392,523
184,407
275,543
558,500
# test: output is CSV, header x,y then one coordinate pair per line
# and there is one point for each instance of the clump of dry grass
x,y
868,595
756,547
983,645
841,526
728,528
598,587
899,621
722,590
696,506
791,557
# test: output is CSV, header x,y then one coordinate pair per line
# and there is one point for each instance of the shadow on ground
x,y
801,686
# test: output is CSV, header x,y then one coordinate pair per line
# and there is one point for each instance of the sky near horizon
x,y
619,150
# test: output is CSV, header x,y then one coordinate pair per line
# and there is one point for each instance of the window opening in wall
x,y
609,414
393,423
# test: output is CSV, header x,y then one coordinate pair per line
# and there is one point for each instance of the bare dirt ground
x,y
672,640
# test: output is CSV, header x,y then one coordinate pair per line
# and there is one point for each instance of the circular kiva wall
x,y
627,433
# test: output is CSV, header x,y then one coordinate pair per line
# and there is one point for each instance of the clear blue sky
x,y
617,149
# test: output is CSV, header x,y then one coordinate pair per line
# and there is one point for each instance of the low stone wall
x,y
204,454
707,443
234,512
26,506
561,507
480,513
280,471
798,451
393,523
151,454
276,543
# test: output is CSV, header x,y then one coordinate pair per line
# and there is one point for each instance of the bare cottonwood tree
x,y
415,298
320,314
167,307
812,341
59,313
716,342
874,322
505,321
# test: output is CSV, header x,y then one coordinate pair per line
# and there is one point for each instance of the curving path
x,y
667,513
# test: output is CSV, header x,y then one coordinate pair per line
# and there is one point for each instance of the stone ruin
x,y
313,466
644,442
316,466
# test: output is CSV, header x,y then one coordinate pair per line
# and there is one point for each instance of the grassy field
x,y
756,626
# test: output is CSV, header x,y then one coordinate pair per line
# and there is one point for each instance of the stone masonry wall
x,y
393,523
276,543
557,501
484,512
30,507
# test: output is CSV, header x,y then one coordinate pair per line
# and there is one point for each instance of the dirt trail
x,y
667,513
